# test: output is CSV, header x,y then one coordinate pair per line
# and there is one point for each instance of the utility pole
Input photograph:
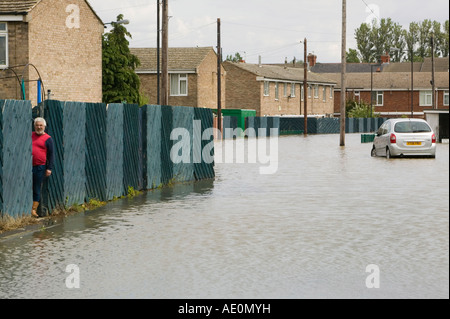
x,y
344,70
305,87
158,52
219,78
433,84
165,53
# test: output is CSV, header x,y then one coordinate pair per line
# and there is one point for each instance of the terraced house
x,y
389,87
57,42
274,90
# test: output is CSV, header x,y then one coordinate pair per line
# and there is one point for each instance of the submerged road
x,y
330,222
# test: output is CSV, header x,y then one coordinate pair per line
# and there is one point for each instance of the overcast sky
x,y
272,29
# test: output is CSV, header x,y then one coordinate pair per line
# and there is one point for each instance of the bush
x,y
360,110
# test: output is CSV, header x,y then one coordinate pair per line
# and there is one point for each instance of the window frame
x,y
4,34
266,88
424,96
376,95
182,77
277,91
292,90
446,95
316,91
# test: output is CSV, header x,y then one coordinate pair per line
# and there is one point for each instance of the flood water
x,y
308,231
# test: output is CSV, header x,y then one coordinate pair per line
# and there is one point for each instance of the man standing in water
x,y
43,160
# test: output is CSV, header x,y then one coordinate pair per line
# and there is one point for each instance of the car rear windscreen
x,y
412,127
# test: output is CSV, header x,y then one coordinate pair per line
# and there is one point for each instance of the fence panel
x,y
204,169
166,144
53,189
114,151
181,151
74,153
96,151
131,147
153,123
15,158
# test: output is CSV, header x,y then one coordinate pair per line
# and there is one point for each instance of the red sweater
x,y
42,150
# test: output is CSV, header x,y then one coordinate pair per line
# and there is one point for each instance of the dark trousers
x,y
38,178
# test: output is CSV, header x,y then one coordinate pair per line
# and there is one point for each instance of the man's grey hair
x,y
40,119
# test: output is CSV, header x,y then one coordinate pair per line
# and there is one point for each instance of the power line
x,y
370,9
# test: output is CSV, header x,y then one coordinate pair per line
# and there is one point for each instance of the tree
x,y
364,42
237,57
445,40
379,38
352,56
120,81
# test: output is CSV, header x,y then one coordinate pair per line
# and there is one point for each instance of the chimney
x,y
285,63
312,59
259,61
386,58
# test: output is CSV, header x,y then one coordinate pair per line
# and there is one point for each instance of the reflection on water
x,y
309,231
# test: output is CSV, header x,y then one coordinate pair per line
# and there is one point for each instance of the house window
x,y
178,85
277,91
309,91
331,92
266,88
378,98
302,93
285,90
324,93
426,98
292,89
3,45
316,91
446,98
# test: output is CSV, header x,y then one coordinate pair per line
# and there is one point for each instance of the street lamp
x,y
118,22
412,77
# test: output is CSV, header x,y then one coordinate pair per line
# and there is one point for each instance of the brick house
x,y
192,76
390,85
274,90
59,42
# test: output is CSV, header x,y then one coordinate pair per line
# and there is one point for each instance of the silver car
x,y
404,137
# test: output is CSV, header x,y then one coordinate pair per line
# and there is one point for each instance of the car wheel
x,y
388,153
373,153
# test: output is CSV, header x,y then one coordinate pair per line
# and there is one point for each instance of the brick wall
x,y
394,101
68,59
18,56
243,91
286,105
207,82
